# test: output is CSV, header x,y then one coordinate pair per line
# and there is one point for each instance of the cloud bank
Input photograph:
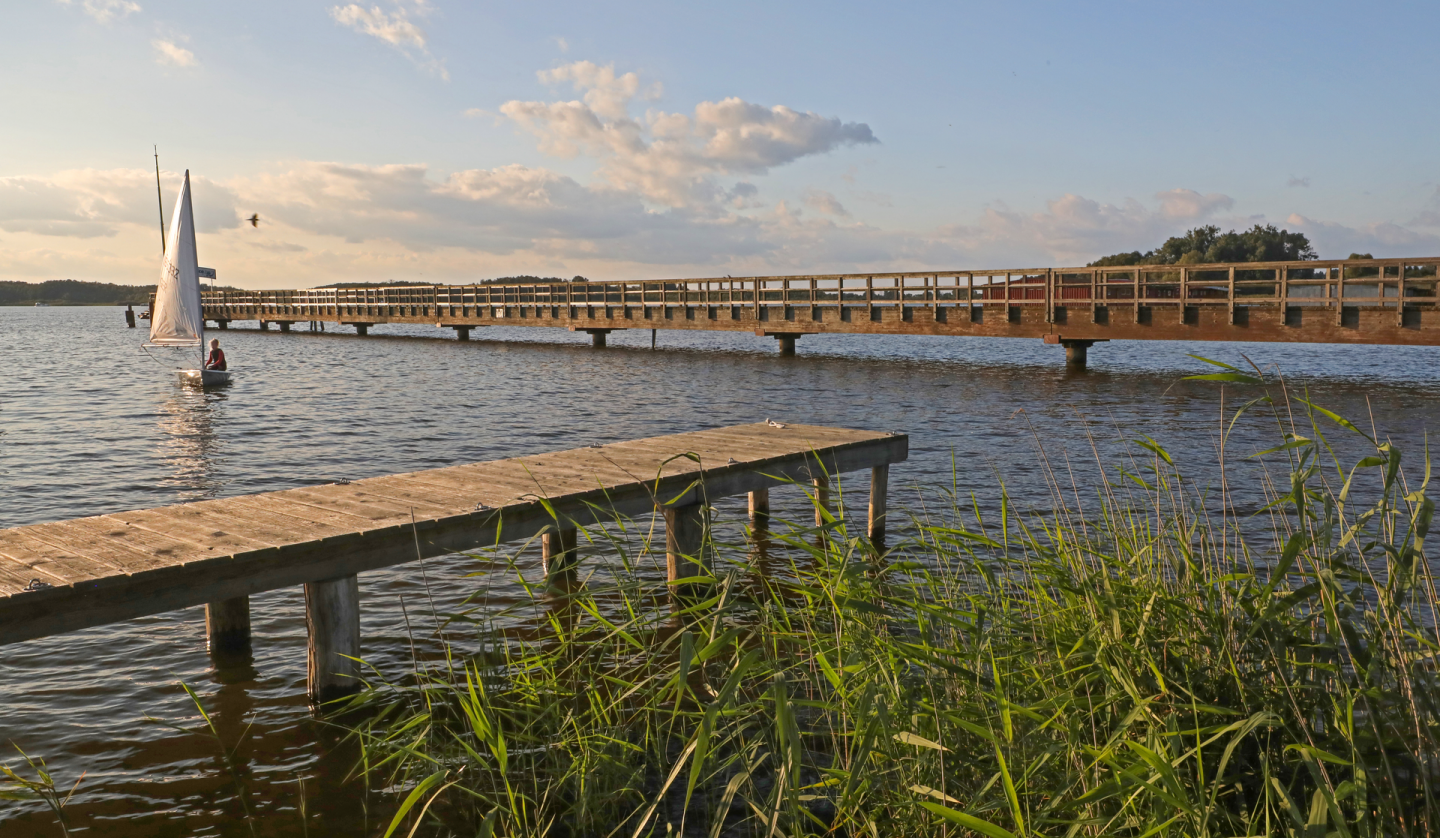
x,y
671,194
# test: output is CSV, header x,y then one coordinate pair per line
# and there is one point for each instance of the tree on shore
x,y
1207,245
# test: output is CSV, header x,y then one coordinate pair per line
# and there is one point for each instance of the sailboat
x,y
177,319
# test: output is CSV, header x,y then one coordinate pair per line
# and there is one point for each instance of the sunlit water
x,y
91,425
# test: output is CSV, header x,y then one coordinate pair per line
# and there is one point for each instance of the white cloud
x,y
106,11
1333,241
93,203
394,28
562,44
672,158
1189,205
169,52
825,203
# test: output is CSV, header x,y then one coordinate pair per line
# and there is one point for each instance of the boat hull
x,y
204,378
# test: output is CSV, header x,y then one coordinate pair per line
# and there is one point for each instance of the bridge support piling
x,y
462,332
597,338
559,553
264,325
284,325
332,617
685,548
1076,350
227,625
879,489
361,329
786,341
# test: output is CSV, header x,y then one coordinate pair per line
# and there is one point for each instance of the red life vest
x,y
217,359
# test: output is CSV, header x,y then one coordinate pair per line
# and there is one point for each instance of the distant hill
x,y
73,292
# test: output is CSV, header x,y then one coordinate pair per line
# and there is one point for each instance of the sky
x,y
438,141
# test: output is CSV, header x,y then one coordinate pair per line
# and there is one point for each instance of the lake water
x,y
91,425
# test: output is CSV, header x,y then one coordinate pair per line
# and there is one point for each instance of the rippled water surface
x,y
91,425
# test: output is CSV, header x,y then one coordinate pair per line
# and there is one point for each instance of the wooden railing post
x,y
1231,296
822,499
332,618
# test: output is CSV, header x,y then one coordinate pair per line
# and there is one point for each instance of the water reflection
x,y
189,445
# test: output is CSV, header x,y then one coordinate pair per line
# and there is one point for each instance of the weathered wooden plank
x,y
185,523
162,546
322,522
55,565
83,540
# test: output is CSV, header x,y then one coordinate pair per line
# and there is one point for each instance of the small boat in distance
x,y
42,305
177,319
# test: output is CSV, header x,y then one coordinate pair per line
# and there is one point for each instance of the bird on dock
x,y
772,423
254,220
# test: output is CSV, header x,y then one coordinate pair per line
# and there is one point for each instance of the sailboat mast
x,y
159,199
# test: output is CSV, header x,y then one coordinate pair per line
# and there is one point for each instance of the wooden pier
x,y
86,572
1370,301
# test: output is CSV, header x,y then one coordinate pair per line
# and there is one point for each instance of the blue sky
x,y
402,139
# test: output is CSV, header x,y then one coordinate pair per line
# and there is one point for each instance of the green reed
x,y
1140,659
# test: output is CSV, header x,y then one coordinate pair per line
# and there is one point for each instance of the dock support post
x,y
332,617
362,329
462,332
264,325
879,488
597,338
559,553
130,316
760,510
284,325
787,345
227,625
822,499
224,324
685,546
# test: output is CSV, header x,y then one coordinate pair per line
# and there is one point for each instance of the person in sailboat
x,y
216,359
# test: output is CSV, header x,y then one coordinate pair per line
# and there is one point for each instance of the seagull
x,y
772,423
254,220
732,462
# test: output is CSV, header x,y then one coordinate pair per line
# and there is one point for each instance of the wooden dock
x,y
86,572
1370,301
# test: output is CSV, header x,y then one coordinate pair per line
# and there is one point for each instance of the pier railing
x,y
1327,284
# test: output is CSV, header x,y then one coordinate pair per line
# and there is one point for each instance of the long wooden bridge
x,y
1370,301
69,575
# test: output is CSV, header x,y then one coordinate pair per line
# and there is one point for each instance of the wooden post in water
x,y
597,338
760,510
685,545
462,332
822,499
559,553
879,488
787,345
130,315
332,617
227,625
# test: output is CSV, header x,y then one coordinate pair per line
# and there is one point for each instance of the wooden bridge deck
x,y
107,568
1374,301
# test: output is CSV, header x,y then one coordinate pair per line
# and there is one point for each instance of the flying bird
x,y
254,220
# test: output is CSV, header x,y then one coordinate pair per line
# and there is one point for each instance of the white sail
x,y
177,319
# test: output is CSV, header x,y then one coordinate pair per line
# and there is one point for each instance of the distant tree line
x,y
1207,245
74,292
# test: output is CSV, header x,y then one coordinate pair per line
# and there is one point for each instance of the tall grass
x,y
1138,659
